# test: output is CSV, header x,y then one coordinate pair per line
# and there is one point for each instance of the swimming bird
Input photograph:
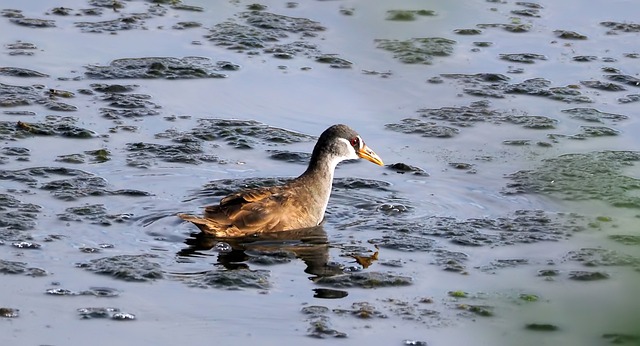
x,y
299,203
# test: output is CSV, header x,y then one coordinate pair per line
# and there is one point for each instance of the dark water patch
x,y
328,293
593,115
588,176
365,280
92,291
423,128
33,22
92,213
603,85
569,35
408,15
583,275
158,67
15,215
541,327
596,257
290,156
145,155
618,27
625,79
417,50
125,267
231,279
20,72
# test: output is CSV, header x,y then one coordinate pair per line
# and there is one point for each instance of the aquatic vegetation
x,y
569,35
230,279
417,50
595,175
593,115
158,67
365,280
125,267
244,134
425,129
93,213
145,155
408,15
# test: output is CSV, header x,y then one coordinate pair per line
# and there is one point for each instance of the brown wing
x,y
251,211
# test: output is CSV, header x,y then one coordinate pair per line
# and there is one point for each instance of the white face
x,y
350,149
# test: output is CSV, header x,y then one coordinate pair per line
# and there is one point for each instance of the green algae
x,y
585,176
417,50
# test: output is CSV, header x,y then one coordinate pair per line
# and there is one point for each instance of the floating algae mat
x,y
589,176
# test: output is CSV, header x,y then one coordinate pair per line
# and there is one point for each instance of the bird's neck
x,y
317,181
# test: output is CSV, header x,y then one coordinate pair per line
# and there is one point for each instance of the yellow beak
x,y
368,154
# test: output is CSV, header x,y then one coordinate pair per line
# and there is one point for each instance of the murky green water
x,y
508,214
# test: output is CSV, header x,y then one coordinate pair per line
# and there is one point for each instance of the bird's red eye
x,y
355,142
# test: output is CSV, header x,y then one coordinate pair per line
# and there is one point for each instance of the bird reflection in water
x,y
311,245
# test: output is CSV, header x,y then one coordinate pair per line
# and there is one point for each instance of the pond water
x,y
507,213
